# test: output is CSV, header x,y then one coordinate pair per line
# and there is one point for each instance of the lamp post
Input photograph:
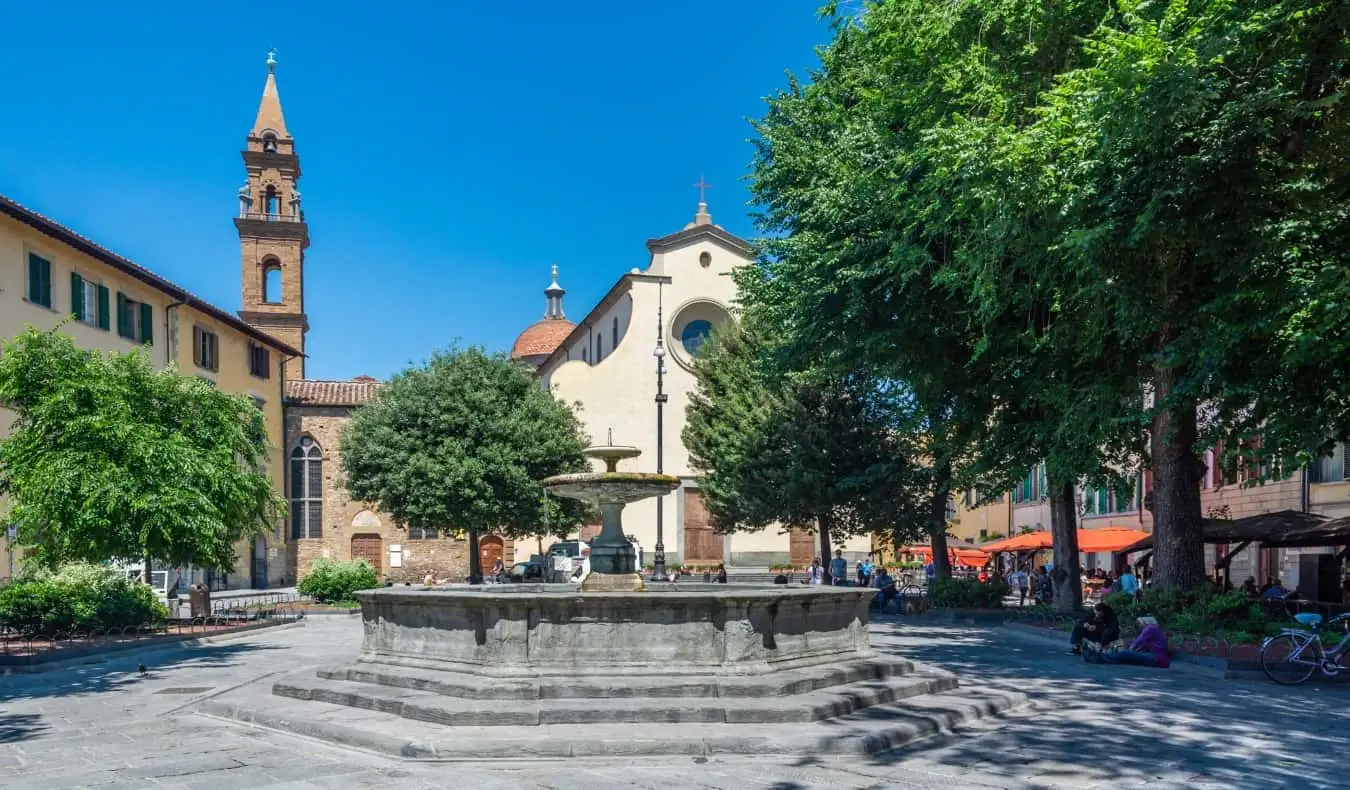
x,y
659,561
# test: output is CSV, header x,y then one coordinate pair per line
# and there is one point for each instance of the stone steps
x,y
869,731
429,706
454,684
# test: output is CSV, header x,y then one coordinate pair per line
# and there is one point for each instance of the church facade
x,y
607,363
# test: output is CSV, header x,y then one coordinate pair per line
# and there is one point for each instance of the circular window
x,y
694,335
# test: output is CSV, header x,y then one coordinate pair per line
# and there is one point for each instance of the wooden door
x,y
701,543
490,548
802,546
369,548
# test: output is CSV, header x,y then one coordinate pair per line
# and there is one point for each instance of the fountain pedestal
x,y
613,558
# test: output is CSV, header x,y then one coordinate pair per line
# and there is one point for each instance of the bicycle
x,y
1299,652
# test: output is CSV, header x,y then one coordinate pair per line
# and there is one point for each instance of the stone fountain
x,y
607,668
613,560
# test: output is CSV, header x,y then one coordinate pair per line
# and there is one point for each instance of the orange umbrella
x,y
1108,538
1031,541
965,556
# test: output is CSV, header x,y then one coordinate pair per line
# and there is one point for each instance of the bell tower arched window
x,y
272,201
306,490
271,281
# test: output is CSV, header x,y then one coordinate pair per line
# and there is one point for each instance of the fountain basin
x,y
610,487
536,631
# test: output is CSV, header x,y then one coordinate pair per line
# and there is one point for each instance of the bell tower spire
x,y
273,234
553,296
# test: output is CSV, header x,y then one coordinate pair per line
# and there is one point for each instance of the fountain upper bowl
x,y
610,486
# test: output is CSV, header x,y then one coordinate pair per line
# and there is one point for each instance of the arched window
x,y
271,284
272,201
614,334
270,143
306,490
599,347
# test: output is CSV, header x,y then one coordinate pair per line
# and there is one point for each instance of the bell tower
x,y
273,234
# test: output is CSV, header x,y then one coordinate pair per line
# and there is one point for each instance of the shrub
x,y
78,597
328,581
1230,615
967,593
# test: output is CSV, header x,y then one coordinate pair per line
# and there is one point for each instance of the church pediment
x,y
688,236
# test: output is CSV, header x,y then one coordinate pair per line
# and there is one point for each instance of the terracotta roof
x,y
56,230
310,392
542,337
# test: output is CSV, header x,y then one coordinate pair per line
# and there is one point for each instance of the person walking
x,y
816,573
838,569
1021,583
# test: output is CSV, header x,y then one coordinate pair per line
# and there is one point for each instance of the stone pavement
x,y
106,725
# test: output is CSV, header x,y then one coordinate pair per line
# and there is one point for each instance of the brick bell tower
x,y
273,234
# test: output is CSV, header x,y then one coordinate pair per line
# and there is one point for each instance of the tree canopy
x,y
111,459
460,444
1068,227
777,445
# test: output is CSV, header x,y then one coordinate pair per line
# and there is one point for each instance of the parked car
x,y
532,570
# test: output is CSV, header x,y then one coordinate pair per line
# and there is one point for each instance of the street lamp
x,y
659,562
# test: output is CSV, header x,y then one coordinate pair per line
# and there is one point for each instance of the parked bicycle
x,y
1292,656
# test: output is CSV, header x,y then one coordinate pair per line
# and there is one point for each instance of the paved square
x,y
105,725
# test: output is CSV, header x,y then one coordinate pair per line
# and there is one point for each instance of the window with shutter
x,y
123,316
39,280
77,296
147,334
102,296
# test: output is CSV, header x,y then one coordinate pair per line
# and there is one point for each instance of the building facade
x,y
606,363
50,274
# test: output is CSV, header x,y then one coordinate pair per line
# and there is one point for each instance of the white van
x,y
578,551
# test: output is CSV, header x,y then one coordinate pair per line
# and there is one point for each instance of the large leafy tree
x,y
851,174
1190,182
111,459
460,444
780,445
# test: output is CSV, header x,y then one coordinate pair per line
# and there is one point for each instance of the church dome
x,y
542,338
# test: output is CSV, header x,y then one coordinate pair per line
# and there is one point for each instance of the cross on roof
x,y
702,189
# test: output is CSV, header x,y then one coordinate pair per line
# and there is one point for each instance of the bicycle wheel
x,y
1283,664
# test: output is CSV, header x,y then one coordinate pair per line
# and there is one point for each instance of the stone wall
x,y
350,525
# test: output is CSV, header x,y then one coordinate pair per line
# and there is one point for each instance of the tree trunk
x,y
823,524
1066,576
937,514
475,562
1178,540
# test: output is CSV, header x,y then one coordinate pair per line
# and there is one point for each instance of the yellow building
x,y
50,274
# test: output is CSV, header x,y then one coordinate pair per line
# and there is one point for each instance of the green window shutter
x,y
102,307
39,280
147,324
122,328
77,296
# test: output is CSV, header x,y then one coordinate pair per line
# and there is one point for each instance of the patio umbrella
x,y
1031,541
1108,538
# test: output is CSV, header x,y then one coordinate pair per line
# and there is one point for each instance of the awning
x,y
1089,540
1282,528
965,556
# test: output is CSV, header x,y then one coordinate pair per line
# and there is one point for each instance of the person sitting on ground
x,y
1149,649
1101,629
431,580
1274,591
721,573
1249,587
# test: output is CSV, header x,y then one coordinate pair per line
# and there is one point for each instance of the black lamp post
x,y
659,562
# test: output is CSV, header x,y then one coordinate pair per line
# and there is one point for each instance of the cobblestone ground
x,y
107,725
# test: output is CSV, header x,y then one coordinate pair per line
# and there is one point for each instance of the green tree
x,y
776,445
111,459
851,172
460,444
1189,180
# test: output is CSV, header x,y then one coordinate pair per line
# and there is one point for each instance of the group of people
x,y
1093,636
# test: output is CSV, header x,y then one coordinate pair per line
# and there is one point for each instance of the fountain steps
x,y
868,730
428,706
580,685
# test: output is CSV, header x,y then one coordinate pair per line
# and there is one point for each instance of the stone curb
x,y
1220,668
123,651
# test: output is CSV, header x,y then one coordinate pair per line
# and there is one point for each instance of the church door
x,y
701,543
489,551
802,546
369,548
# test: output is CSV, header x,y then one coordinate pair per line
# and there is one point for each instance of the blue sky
x,y
452,151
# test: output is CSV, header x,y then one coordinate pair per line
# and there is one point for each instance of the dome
x,y
542,338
